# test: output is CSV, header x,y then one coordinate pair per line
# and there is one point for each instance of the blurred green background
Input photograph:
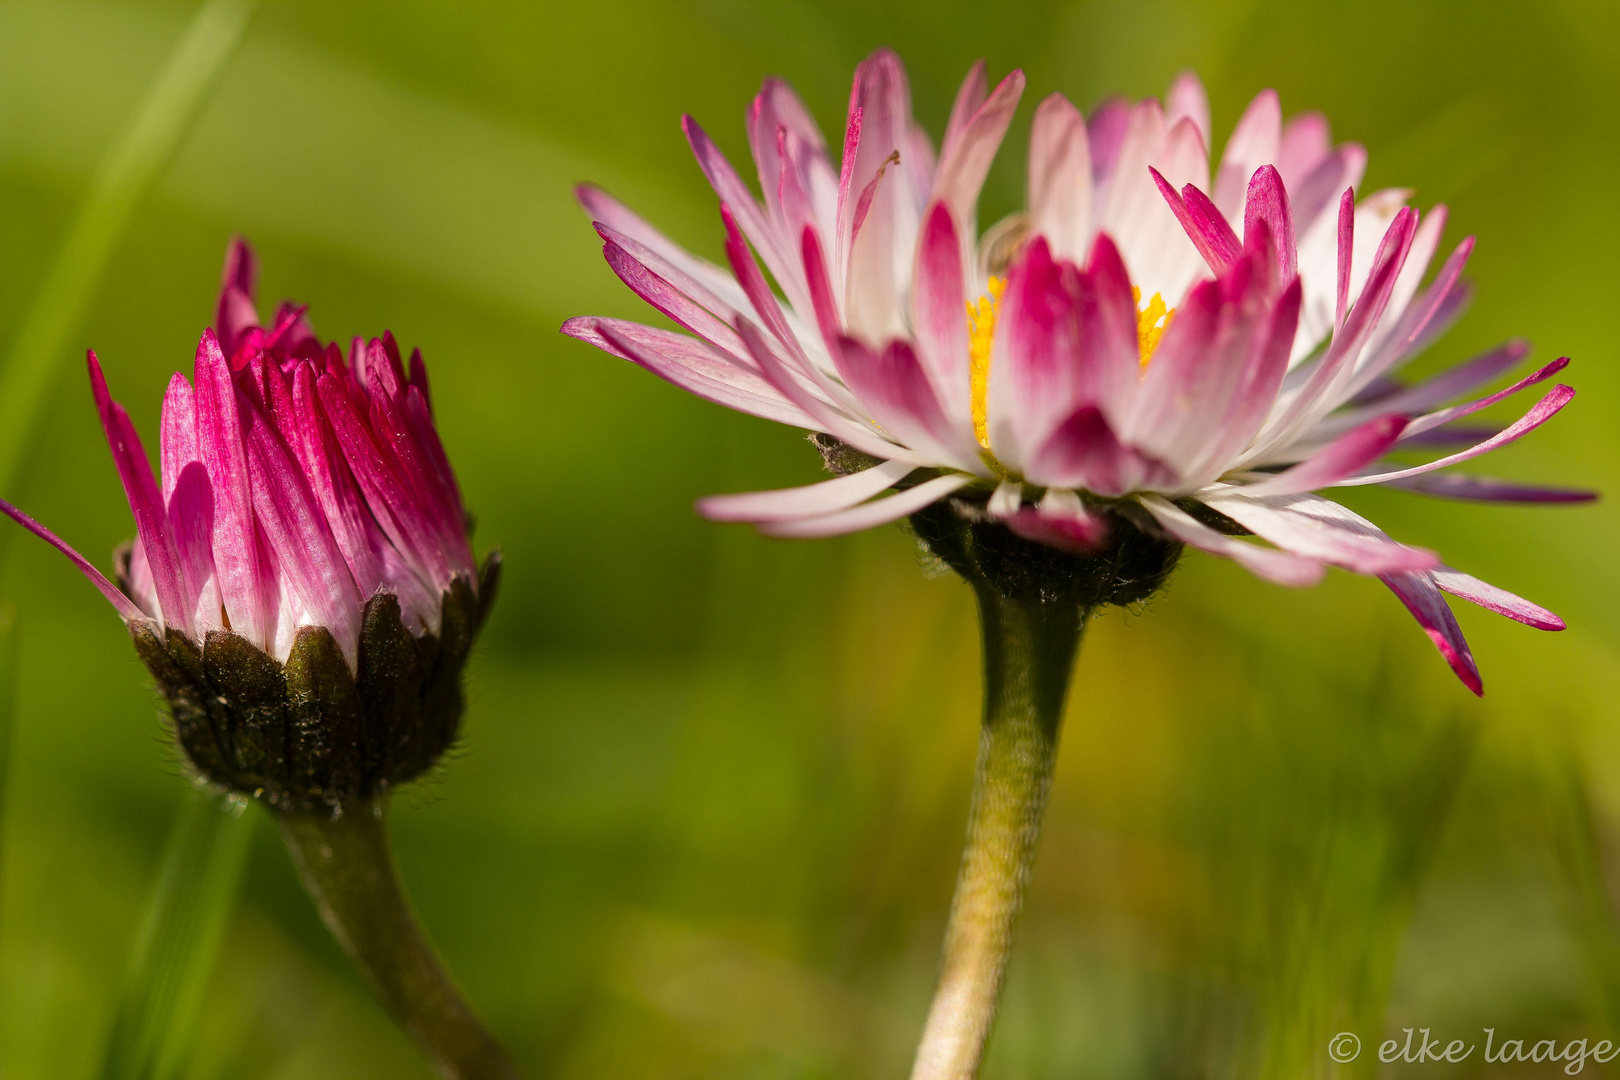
x,y
705,819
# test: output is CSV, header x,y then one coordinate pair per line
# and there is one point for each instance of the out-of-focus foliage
x,y
705,819
161,1000
119,186
8,698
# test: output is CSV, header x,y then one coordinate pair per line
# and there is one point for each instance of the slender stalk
x,y
348,868
1029,651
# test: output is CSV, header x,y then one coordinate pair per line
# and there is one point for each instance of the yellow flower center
x,y
1151,323
981,315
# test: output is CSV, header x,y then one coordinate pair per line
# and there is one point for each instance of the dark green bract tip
x,y
310,734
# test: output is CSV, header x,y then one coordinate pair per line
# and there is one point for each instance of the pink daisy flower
x,y
1150,345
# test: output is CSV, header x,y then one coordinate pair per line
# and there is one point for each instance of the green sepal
x,y
390,688
1208,515
489,585
326,722
1129,567
255,740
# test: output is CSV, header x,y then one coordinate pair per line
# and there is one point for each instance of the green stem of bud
x,y
348,868
1029,649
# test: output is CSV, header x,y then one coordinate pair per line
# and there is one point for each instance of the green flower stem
x,y
348,868
1029,650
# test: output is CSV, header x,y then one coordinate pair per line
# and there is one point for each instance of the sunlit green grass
x,y
704,822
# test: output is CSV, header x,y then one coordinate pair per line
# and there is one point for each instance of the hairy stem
x,y
1029,651
348,868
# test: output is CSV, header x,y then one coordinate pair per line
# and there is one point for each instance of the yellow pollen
x,y
1151,323
981,315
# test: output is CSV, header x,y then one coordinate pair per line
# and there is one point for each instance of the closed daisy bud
x,y
302,588
301,584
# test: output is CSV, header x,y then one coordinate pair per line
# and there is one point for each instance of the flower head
x,y
1150,346
301,583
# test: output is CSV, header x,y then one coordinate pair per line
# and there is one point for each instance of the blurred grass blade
x,y
1580,845
162,996
123,178
8,697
